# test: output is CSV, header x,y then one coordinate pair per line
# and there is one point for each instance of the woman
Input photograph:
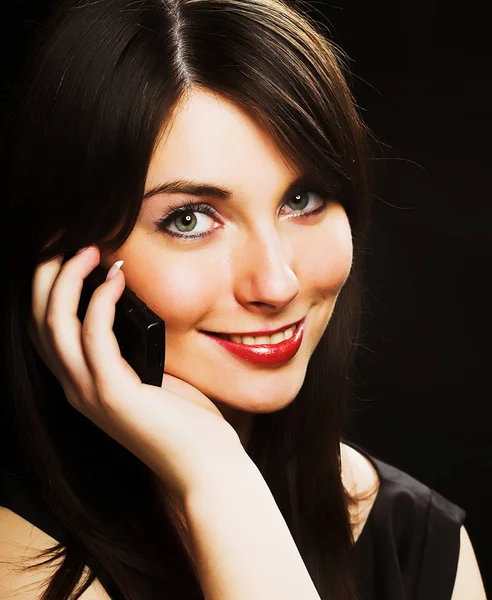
x,y
207,154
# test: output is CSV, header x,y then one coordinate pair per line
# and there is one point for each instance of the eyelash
x,y
189,206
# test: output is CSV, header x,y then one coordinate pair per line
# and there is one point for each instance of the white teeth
x,y
289,332
276,338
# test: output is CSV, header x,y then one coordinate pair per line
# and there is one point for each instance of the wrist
x,y
221,472
211,474
232,482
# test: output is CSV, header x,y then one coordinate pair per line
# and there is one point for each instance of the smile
x,y
250,340
267,351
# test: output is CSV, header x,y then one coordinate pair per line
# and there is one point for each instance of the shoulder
x,y
415,538
468,584
20,543
400,498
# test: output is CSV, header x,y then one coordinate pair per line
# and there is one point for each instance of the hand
x,y
176,430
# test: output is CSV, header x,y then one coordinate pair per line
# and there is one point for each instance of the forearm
x,y
242,547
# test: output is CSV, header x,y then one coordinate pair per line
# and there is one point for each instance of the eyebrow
x,y
197,188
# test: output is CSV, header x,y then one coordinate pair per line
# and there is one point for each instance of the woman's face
x,y
262,264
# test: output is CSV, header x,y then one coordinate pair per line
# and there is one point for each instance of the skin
x,y
262,266
258,269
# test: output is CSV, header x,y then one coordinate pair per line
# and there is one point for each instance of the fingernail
x,y
81,250
114,269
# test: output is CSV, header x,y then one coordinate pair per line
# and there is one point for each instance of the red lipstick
x,y
265,355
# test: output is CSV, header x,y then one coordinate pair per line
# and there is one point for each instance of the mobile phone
x,y
140,333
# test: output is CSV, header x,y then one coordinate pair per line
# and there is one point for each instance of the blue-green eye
x,y
301,200
186,222
183,218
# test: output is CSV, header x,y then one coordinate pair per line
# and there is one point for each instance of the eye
x,y
179,221
302,199
184,221
190,221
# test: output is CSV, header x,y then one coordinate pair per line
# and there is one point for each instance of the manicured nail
x,y
114,269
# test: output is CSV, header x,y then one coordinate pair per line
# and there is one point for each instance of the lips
x,y
264,354
255,333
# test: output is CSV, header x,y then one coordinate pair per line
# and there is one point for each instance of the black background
x,y
423,80
423,83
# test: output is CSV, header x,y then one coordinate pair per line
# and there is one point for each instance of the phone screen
x,y
141,334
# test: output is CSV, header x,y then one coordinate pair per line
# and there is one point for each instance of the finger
x,y
63,324
108,367
42,283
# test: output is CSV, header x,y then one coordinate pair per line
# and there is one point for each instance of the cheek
x,y
330,262
177,288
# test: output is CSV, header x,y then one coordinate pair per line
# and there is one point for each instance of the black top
x,y
408,549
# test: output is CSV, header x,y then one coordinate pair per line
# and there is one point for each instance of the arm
x,y
242,547
241,544
468,584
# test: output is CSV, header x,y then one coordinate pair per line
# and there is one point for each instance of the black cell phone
x,y
141,334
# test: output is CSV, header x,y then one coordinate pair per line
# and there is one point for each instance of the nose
x,y
264,277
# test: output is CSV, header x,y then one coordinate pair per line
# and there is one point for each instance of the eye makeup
x,y
189,206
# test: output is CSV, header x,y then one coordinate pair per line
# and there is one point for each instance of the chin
x,y
263,397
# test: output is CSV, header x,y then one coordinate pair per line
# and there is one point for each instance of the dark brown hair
x,y
95,93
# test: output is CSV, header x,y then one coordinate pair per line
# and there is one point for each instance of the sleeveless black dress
x,y
408,549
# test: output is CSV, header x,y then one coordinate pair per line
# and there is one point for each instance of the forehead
x,y
210,138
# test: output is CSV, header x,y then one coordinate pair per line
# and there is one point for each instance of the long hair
x,y
93,97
